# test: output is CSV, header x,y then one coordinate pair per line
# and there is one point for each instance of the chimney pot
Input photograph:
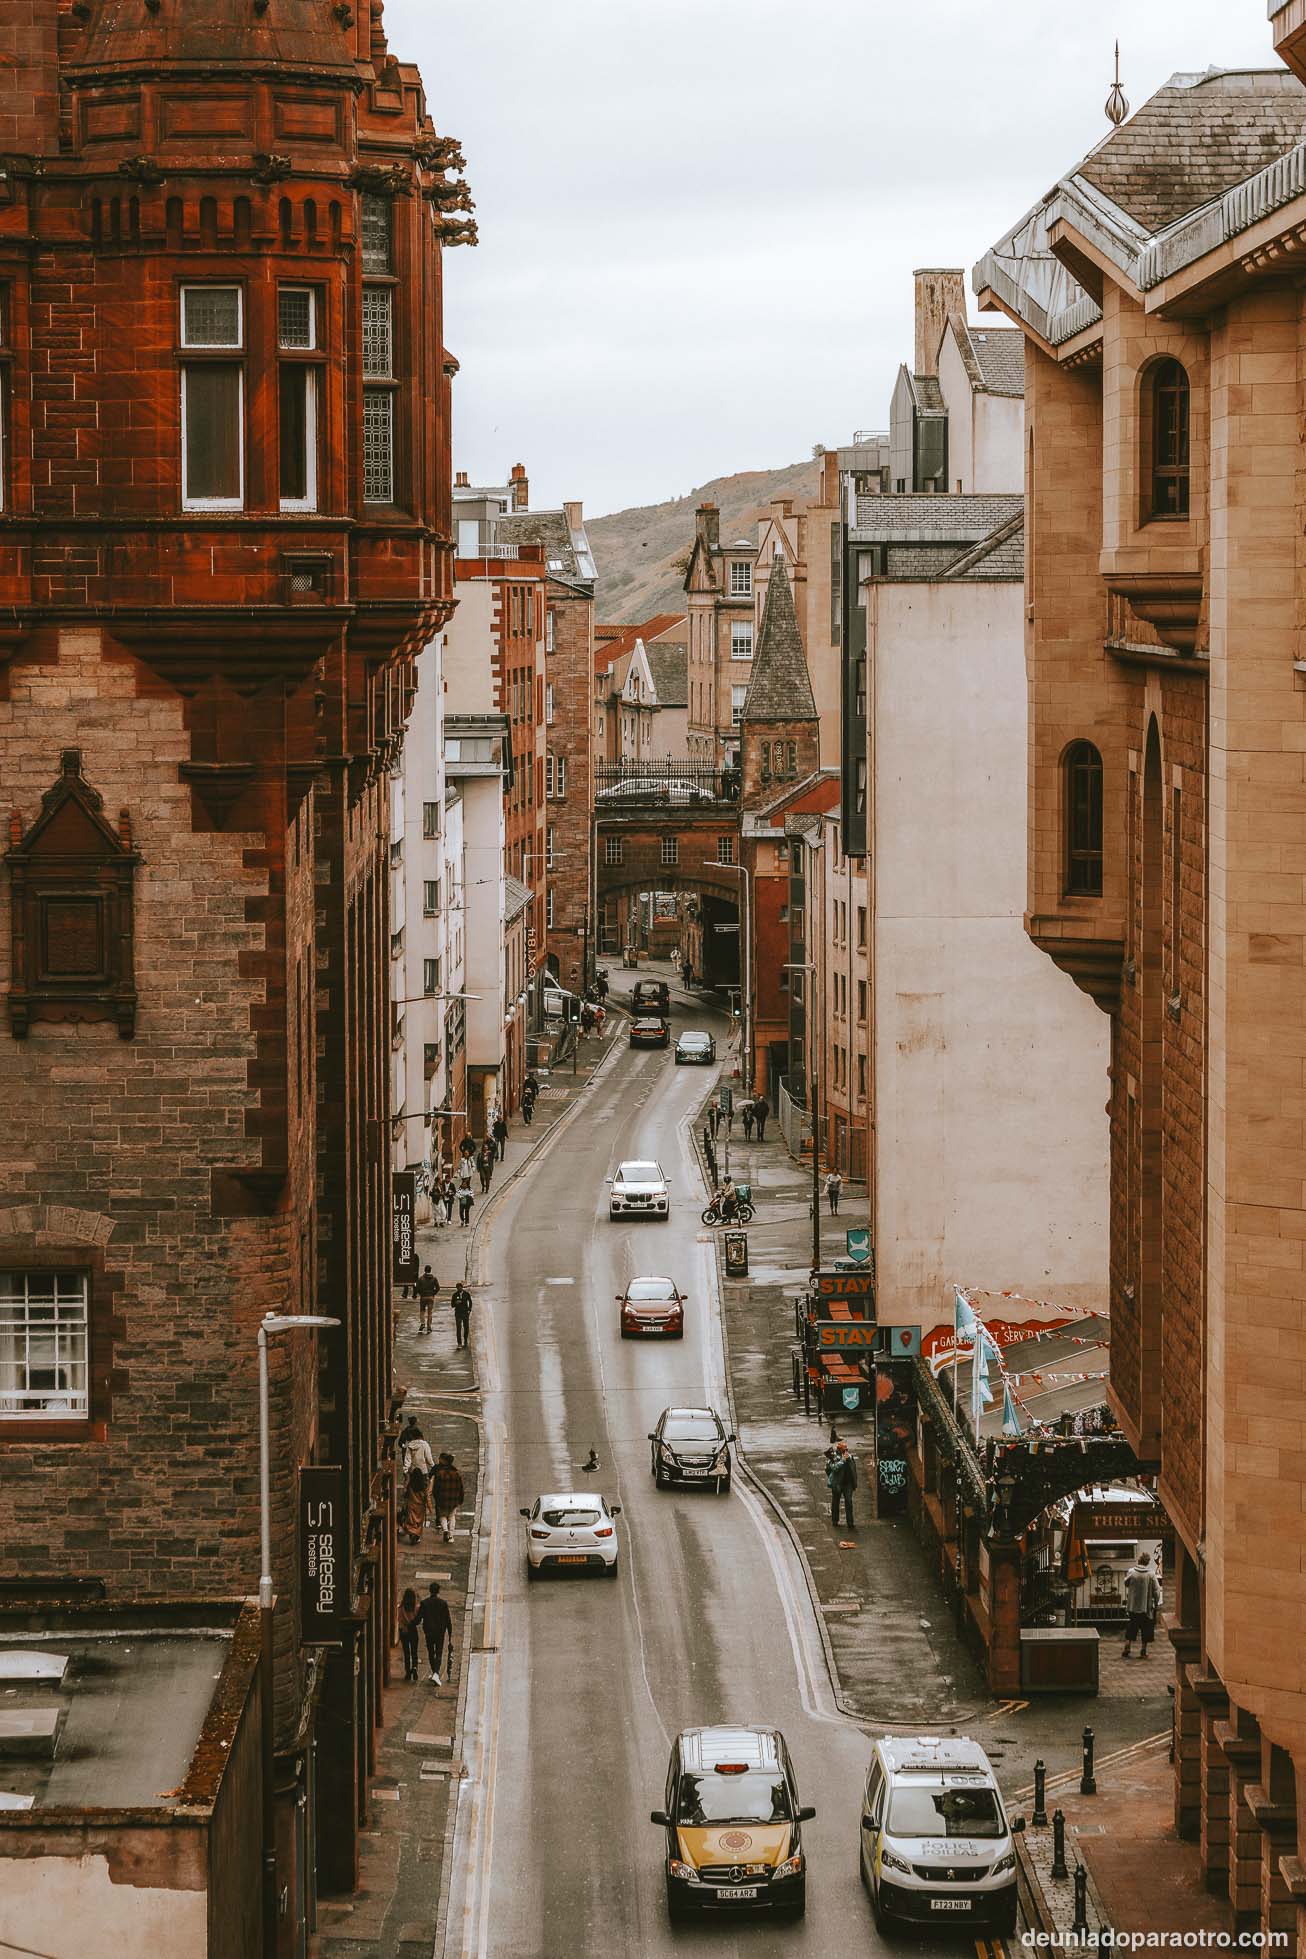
x,y
707,523
940,297
460,481
521,488
572,512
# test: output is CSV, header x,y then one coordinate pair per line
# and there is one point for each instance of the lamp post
x,y
269,1324
813,1103
746,975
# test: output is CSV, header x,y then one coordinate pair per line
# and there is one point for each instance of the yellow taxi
x,y
733,1823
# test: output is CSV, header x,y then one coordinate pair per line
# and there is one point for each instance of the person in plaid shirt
x,y
449,1493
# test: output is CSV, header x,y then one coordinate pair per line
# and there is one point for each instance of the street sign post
x,y
858,1240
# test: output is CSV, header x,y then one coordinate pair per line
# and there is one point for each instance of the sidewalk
x,y
393,1913
898,1657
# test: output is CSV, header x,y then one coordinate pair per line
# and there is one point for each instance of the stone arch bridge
x,y
669,826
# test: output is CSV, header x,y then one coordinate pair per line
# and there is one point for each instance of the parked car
x,y
639,1189
690,1445
695,1047
652,1306
733,1823
936,1841
573,1531
649,1033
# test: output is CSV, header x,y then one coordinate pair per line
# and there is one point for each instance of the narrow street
x,y
572,1708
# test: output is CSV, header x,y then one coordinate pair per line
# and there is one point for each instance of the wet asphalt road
x,y
572,1708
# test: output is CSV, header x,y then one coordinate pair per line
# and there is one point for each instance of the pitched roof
x,y
516,897
566,552
1000,555
994,357
669,665
1195,138
915,518
781,687
610,642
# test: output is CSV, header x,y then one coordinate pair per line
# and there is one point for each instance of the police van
x,y
936,1841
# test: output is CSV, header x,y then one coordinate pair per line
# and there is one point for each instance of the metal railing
x,y
677,782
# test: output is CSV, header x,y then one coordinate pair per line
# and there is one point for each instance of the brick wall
x,y
569,670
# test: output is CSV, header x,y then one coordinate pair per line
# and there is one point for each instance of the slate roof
x,y
516,898
669,666
566,552
781,687
962,520
999,357
292,34
610,642
999,556
1195,138
927,392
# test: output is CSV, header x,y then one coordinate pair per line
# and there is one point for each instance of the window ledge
x,y
36,1428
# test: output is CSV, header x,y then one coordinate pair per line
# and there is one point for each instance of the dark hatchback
x,y
690,1445
649,1034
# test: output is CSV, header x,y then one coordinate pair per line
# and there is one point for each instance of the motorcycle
x,y
743,1213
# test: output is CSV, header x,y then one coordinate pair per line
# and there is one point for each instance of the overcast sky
x,y
699,218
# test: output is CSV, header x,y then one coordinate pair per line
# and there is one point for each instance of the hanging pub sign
x,y
854,1290
858,1241
895,1431
403,1199
323,1557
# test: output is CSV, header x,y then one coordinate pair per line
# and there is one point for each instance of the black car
x,y
651,997
649,1033
690,1445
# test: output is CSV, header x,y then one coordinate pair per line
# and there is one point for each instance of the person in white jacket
x,y
1142,1602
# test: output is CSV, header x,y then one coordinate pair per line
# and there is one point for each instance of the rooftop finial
x,y
1117,103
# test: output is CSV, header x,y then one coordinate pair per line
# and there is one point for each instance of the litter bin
x,y
736,1254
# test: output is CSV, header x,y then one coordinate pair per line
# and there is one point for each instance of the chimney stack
x,y
707,525
460,481
521,489
940,297
572,512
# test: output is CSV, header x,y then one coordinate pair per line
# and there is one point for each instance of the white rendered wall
x,y
990,1064
73,1905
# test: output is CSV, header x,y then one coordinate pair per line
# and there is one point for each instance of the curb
x,y
1038,1913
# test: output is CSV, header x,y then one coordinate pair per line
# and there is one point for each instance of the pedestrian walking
x,y
466,1149
748,1119
449,1494
841,1475
531,1085
465,1205
686,974
601,988
833,1186
414,1450
433,1617
426,1287
461,1301
408,1631
500,1133
761,1110
527,1108
1142,1602
485,1163
448,1195
417,1506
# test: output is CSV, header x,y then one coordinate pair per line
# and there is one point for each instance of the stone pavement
x,y
895,1648
393,1914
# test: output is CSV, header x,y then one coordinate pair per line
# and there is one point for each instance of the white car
x,y
639,1190
575,1530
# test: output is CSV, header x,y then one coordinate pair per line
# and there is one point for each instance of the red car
x,y
652,1306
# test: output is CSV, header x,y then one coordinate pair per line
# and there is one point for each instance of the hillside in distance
x,y
640,553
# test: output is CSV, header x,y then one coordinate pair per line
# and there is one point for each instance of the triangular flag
x,y
963,1316
1010,1418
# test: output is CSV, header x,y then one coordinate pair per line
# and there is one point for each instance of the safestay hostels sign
x,y
403,1202
853,1291
323,1556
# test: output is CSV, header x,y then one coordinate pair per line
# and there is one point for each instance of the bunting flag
x,y
1010,1418
981,1394
963,1316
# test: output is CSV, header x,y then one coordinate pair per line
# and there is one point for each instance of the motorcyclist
x,y
728,1199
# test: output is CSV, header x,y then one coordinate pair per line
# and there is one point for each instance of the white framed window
x,y
741,578
741,639
548,775
548,908
612,850
430,896
548,630
555,776
431,819
725,850
297,398
212,320
430,976
548,703
670,850
44,1346
549,830
738,695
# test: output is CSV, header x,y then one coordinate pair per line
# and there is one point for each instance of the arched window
x,y
1083,773
1169,385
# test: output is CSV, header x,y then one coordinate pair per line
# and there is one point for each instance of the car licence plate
x,y
738,1894
695,1472
565,1559
949,1904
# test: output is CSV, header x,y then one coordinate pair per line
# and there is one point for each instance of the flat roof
x,y
132,1705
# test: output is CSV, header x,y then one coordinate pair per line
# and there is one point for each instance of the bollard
x,y
1059,1844
1080,1926
1040,1796
1087,1781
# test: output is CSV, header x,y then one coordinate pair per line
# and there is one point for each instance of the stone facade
x,y
721,626
1164,615
208,640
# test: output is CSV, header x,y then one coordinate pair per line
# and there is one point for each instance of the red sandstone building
x,y
225,533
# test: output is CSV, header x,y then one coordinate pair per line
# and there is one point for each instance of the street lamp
x,y
807,966
746,977
270,1323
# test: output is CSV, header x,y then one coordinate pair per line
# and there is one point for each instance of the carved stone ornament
x,y
141,169
270,166
447,196
458,231
380,179
71,878
441,153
